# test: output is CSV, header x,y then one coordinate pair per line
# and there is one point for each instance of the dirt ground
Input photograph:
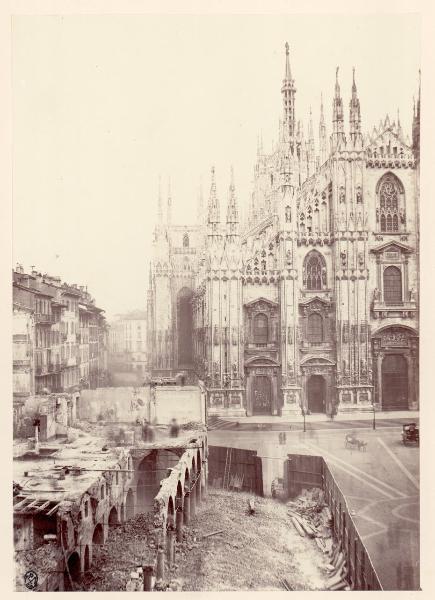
x,y
253,553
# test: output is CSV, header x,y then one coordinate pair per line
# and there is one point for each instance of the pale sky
x,y
103,105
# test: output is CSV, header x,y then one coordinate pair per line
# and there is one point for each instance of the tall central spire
x,y
337,118
288,97
213,219
355,113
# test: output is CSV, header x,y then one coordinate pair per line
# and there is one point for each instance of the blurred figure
x,y
147,432
174,428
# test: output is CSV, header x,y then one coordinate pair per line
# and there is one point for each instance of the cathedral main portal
x,y
262,396
316,394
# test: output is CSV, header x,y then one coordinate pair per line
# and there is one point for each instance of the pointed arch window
x,y
392,285
390,213
314,271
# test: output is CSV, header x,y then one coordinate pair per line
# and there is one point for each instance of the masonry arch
x,y
72,573
170,514
113,517
148,483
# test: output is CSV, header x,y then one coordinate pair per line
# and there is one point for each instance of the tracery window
x,y
260,329
315,328
392,285
314,271
390,214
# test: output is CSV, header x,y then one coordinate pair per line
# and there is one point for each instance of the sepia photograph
x,y
215,302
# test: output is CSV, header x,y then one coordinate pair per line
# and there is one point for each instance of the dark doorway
x,y
316,394
86,561
148,484
185,327
113,517
72,573
262,396
97,541
394,382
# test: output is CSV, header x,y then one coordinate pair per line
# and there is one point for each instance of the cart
x,y
410,434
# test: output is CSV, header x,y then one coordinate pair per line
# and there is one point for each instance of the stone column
x,y
179,525
204,482
170,546
198,490
193,502
186,508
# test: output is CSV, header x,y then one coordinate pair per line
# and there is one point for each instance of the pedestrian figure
x,y
174,428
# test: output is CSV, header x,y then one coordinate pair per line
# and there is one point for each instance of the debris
x,y
212,533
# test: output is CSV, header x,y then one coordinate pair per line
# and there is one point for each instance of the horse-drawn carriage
x,y
351,441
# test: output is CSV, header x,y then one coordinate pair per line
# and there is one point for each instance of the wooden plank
x,y
50,512
43,506
21,503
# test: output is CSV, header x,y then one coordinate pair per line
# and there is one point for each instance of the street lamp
x,y
303,415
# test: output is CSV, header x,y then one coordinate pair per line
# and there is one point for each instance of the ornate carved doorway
x,y
262,396
316,394
395,382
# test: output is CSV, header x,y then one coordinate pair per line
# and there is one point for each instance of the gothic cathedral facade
x,y
312,303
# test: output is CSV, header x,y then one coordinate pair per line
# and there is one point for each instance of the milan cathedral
x,y
311,303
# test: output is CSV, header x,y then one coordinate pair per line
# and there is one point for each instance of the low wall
x,y
160,404
306,471
185,403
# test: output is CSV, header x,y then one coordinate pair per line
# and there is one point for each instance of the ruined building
x,y
313,302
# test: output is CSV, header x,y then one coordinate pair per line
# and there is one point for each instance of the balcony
x,y
43,319
21,362
399,310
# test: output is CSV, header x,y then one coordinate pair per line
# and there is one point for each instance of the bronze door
x,y
262,396
394,382
316,394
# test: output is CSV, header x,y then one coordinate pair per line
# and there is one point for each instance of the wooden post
x,y
179,525
148,574
186,508
160,564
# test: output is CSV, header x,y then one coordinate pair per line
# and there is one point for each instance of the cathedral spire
x,y
310,146
169,205
232,212
288,91
159,203
322,134
213,219
355,114
416,121
337,115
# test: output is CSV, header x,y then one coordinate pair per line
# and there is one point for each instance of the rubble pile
x,y
193,425
43,560
129,546
311,517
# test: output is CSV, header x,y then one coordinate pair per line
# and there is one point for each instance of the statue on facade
x,y
289,257
342,195
358,195
402,216
288,214
361,259
235,370
376,295
412,295
343,257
